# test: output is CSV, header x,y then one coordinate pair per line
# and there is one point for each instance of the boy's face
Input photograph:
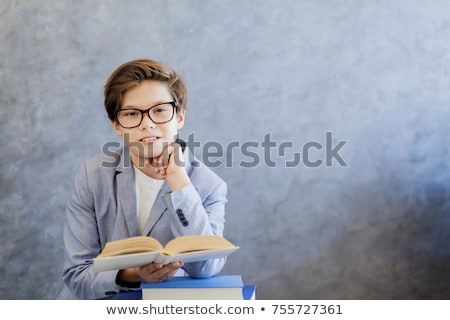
x,y
148,140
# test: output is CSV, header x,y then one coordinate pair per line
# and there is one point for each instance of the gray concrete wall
x,y
373,73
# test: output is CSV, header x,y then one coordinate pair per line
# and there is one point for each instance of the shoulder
x,y
103,165
104,162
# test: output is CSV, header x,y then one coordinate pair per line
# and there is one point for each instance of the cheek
x,y
127,136
170,132
173,132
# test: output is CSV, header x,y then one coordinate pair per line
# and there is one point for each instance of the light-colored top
x,y
147,189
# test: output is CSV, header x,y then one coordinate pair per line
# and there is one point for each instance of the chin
x,y
152,152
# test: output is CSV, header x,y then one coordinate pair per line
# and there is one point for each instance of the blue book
x,y
249,292
221,287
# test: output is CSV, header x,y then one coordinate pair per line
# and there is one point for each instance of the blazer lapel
x,y
126,194
158,210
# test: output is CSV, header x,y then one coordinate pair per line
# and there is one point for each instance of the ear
x,y
117,128
180,119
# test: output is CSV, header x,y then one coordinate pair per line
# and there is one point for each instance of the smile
x,y
149,139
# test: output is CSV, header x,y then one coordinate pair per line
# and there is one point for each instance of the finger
x,y
153,164
150,268
156,166
177,155
168,271
156,272
169,275
166,155
162,160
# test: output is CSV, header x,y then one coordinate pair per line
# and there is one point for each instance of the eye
x,y
160,109
129,113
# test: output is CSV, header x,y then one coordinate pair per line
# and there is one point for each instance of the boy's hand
x,y
152,272
170,165
156,272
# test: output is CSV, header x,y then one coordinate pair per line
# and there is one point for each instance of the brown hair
x,y
131,73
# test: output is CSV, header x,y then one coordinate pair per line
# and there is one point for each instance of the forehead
x,y
147,93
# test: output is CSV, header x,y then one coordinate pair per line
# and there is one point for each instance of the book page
x,y
195,243
130,245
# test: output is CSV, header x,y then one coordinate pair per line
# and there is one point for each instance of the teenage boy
x,y
147,188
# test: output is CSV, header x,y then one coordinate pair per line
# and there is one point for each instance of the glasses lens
x,y
129,118
161,113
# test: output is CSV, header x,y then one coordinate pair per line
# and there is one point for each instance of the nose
x,y
147,122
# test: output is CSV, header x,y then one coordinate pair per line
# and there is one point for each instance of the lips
x,y
149,139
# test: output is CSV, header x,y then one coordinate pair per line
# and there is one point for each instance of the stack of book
x,y
221,287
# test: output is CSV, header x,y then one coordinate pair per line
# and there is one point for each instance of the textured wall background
x,y
374,73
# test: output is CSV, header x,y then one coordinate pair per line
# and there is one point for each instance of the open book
x,y
140,250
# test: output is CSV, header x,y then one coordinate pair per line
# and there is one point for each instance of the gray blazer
x,y
102,208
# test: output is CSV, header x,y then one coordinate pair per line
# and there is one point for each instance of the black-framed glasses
x,y
160,113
